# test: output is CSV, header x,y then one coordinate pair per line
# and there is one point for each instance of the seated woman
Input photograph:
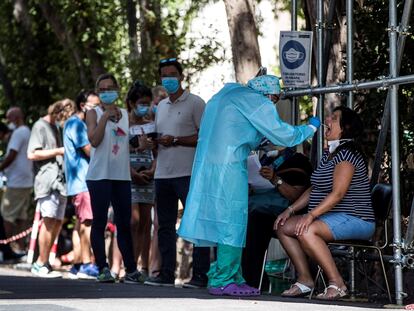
x,y
339,208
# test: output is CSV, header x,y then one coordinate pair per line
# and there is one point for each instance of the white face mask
x,y
333,144
12,126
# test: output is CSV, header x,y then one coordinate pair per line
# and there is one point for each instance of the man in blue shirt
x,y
77,148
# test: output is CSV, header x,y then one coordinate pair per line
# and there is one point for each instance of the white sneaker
x,y
45,271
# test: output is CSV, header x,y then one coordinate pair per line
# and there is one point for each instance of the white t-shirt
x,y
110,160
20,172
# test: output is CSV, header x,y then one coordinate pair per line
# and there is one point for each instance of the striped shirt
x,y
357,200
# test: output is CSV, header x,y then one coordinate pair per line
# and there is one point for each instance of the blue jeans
x,y
167,192
117,193
347,227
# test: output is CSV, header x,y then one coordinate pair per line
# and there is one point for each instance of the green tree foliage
x,y
53,49
371,62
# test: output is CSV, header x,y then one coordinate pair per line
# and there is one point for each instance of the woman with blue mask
x,y
142,170
109,178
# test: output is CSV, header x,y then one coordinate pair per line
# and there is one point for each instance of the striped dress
x,y
357,200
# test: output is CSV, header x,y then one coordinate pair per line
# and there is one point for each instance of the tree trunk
x,y
131,13
243,34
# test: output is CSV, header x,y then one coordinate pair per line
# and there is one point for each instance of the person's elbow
x,y
31,156
94,143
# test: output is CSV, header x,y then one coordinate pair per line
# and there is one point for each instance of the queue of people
x,y
167,146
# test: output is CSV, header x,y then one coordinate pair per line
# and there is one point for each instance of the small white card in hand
x,y
256,181
147,128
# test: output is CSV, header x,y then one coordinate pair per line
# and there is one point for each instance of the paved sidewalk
x,y
20,291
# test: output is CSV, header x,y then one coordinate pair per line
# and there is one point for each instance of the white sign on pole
x,y
295,50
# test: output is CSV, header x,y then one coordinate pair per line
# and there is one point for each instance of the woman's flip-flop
x,y
233,289
304,290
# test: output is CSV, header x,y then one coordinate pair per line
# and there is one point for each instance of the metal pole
x,y
340,88
294,27
385,122
350,49
395,154
319,37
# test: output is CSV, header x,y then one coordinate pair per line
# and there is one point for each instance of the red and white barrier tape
x,y
16,237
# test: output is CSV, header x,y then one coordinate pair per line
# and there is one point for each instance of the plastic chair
x,y
381,196
279,274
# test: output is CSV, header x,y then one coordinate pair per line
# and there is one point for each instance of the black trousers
x,y
103,193
168,192
259,233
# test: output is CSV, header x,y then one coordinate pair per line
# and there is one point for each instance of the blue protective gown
x,y
235,120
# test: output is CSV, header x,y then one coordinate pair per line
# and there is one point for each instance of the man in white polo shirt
x,y
19,172
177,123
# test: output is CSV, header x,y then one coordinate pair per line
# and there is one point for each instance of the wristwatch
x,y
279,181
175,141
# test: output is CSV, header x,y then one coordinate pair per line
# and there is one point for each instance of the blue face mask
x,y
171,84
141,111
154,109
108,97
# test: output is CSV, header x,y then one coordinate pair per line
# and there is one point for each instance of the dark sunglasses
x,y
168,60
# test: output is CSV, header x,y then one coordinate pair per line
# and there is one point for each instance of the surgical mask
x,y
12,126
141,111
171,84
108,97
154,109
333,144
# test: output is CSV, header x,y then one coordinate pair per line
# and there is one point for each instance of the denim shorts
x,y
346,227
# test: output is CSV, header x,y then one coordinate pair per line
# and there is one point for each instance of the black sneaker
x,y
134,277
159,281
196,282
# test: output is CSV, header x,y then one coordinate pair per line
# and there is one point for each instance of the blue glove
x,y
314,121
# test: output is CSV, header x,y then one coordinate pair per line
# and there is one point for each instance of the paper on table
x,y
256,181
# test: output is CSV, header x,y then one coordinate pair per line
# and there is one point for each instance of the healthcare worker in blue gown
x,y
234,123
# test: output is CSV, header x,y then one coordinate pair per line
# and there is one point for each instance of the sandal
x,y
233,289
340,293
304,290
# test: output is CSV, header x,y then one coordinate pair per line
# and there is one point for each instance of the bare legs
x,y
155,255
85,241
141,232
48,232
313,244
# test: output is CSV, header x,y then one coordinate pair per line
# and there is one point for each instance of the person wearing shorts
x,y
46,151
77,151
19,172
339,207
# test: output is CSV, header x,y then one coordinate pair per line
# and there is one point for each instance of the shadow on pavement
x,y
18,287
